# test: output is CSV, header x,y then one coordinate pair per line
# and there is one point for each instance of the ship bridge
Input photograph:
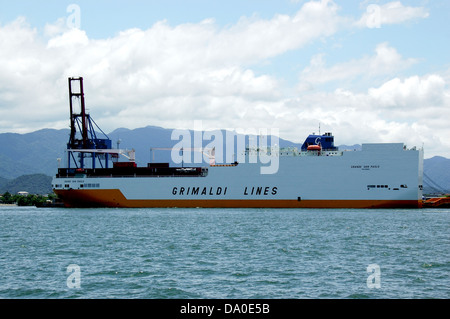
x,y
325,141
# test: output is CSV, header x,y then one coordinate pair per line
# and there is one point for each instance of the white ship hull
x,y
381,175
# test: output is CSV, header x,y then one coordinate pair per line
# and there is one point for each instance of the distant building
x,y
23,193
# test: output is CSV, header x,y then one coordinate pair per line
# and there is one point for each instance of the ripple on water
x,y
219,253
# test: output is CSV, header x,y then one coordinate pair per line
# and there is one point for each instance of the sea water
x,y
224,253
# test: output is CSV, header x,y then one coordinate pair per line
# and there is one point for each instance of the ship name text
x,y
199,191
365,167
222,191
260,190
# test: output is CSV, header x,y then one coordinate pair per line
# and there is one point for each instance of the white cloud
x,y
386,61
153,70
261,39
420,107
390,13
412,93
56,28
74,39
172,75
414,110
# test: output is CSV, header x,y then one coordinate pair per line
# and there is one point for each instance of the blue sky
x,y
369,71
427,38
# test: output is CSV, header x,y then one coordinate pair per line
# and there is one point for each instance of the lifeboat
x,y
314,148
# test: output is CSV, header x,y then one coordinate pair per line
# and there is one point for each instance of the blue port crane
x,y
83,139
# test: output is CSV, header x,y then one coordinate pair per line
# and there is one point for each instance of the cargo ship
x,y
317,175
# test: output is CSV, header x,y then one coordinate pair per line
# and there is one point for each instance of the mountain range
x,y
38,153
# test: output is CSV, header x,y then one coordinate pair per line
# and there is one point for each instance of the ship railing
x,y
289,151
87,175
322,152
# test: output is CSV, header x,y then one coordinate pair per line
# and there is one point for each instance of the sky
x,y
368,71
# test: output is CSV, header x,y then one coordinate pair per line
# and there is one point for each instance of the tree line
x,y
26,200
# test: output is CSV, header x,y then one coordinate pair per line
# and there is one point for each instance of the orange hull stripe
x,y
115,198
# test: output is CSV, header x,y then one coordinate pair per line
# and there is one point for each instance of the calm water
x,y
223,253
